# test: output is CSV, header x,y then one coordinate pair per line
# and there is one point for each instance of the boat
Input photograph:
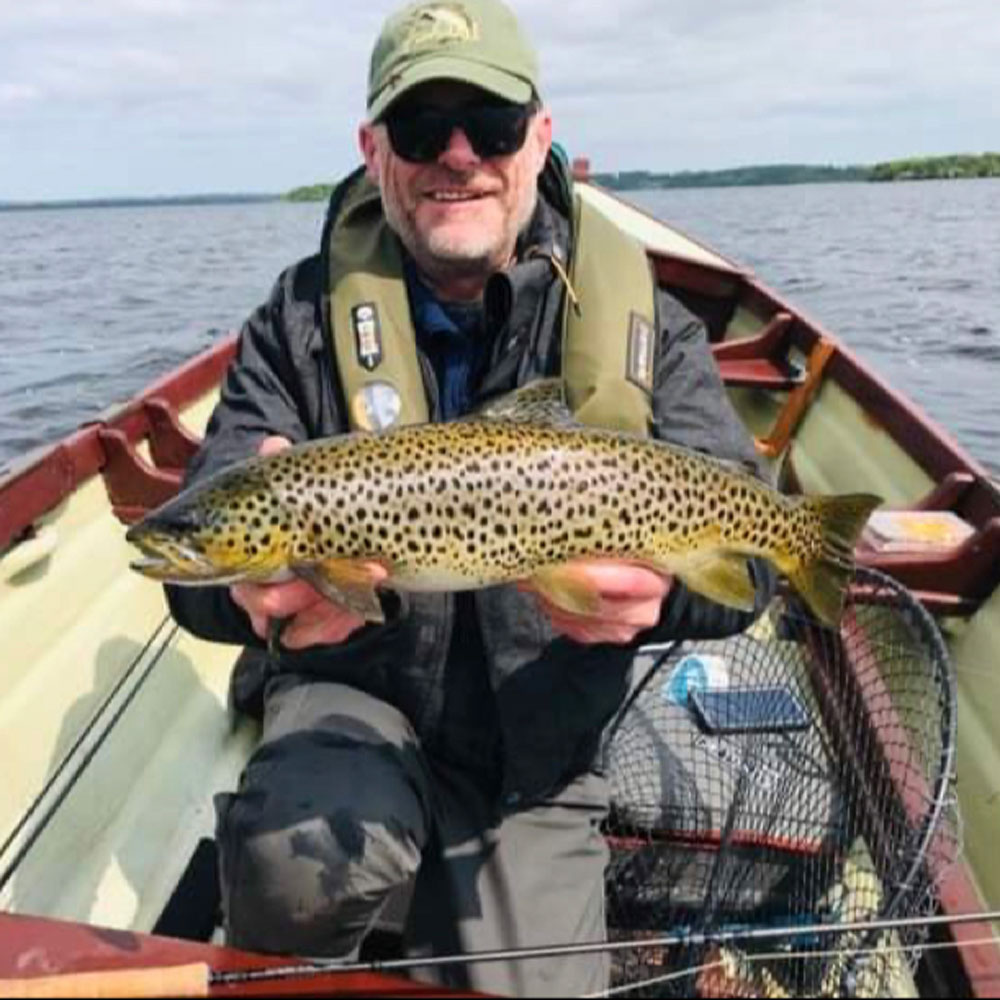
x,y
116,728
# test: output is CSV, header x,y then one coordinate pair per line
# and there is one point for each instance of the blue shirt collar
x,y
431,316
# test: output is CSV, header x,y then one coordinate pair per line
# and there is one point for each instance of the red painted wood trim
x,y
134,486
41,483
980,963
171,445
701,278
35,946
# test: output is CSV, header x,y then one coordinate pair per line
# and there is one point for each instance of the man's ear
x,y
541,136
367,142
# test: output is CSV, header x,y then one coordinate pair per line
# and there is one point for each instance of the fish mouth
x,y
168,559
155,566
171,560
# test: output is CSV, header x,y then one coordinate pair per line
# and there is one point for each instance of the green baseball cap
x,y
474,41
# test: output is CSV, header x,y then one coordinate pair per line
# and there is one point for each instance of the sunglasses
x,y
422,134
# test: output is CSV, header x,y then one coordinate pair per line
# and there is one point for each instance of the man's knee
x,y
311,886
331,817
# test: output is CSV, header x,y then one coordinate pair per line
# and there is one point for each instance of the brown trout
x,y
515,493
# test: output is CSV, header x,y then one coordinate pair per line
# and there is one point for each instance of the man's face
x,y
459,216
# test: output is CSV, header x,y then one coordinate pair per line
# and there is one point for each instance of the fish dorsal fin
x,y
542,402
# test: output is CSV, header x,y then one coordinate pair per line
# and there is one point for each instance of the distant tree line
x,y
915,168
784,173
638,180
312,192
911,169
938,168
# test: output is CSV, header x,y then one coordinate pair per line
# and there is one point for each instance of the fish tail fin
x,y
822,580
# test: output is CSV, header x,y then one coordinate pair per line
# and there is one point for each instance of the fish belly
x,y
430,581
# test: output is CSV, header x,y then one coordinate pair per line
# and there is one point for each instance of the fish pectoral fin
x,y
346,582
723,576
568,587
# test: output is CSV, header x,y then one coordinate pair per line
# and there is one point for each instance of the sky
x,y
129,98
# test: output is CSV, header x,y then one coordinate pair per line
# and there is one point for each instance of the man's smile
x,y
455,195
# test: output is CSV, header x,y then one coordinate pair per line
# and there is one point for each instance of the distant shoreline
x,y
915,168
150,202
958,167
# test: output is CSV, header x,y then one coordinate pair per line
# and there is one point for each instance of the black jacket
x,y
552,696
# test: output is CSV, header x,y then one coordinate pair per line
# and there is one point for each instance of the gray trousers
x,y
339,807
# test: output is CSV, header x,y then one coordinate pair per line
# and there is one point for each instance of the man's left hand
x,y
631,599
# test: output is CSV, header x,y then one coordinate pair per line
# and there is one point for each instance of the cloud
x,y
255,95
18,93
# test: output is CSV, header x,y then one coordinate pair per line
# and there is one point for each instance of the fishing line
x,y
686,939
97,719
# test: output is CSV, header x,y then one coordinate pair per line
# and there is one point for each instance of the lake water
x,y
95,303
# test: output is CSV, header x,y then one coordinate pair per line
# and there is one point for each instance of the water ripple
x,y
139,291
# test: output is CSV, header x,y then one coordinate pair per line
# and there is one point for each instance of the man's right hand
x,y
313,619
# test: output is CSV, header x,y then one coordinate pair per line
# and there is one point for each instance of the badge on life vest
x,y
367,335
376,406
641,351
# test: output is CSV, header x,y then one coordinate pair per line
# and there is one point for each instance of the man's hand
x,y
314,620
631,600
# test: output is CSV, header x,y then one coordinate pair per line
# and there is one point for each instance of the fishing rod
x,y
678,939
195,980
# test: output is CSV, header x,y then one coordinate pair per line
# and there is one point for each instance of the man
x,y
456,746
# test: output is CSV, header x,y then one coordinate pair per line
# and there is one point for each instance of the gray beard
x,y
443,263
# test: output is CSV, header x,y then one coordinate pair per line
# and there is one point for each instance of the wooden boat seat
x,y
952,579
762,362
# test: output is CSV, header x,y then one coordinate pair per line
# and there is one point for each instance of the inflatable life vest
x,y
609,329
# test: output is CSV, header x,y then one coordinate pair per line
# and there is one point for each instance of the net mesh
x,y
832,801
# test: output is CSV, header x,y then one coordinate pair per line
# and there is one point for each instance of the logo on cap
x,y
440,24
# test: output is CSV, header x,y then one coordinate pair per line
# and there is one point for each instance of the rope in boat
x,y
687,939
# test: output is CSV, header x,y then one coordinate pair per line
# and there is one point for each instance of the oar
x,y
157,981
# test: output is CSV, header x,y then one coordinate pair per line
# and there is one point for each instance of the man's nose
x,y
458,154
